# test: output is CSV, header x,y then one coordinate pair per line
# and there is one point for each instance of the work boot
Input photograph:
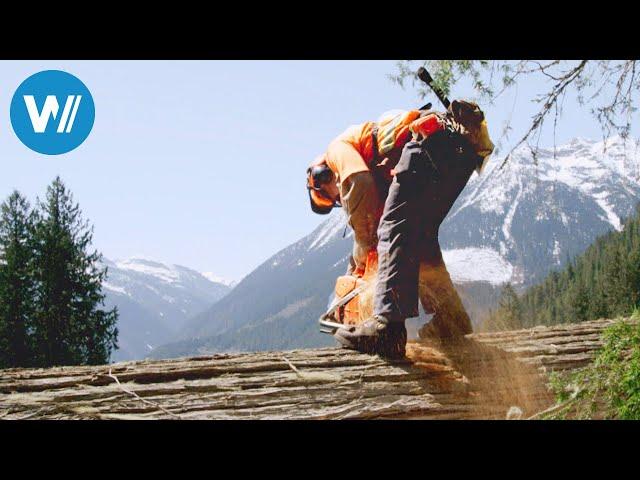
x,y
375,336
392,341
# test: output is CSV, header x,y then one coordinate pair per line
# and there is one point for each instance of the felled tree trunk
x,y
482,377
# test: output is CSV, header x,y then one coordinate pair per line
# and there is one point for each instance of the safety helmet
x,y
319,174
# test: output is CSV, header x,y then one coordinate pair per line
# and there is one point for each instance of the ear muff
x,y
318,175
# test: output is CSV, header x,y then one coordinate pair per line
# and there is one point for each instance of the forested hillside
x,y
603,282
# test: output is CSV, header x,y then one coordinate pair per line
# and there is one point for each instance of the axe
x,y
424,75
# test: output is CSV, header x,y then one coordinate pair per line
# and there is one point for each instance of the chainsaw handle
x,y
424,75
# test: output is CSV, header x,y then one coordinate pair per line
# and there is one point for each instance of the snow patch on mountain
x,y
115,288
556,251
330,230
477,265
611,217
508,219
165,273
216,279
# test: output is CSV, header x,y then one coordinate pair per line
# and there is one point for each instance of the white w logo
x,y
39,120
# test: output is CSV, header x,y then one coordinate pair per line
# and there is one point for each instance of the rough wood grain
x,y
480,377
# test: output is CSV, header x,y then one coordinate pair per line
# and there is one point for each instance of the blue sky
x,y
202,163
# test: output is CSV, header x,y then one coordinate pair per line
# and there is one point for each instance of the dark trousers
x,y
429,177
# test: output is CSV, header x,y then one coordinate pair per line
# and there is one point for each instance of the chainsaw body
x,y
353,299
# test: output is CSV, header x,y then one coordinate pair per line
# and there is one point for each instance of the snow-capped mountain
x,y
535,214
511,224
154,301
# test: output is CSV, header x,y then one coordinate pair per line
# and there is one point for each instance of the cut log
x,y
483,376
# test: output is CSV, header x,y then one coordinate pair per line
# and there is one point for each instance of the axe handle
x,y
423,75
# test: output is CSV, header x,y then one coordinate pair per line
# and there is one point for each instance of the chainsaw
x,y
349,306
328,322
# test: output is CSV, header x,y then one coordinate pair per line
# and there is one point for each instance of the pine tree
x,y
509,313
70,326
579,303
633,274
16,282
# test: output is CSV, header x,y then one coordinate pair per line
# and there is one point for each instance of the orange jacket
x,y
352,151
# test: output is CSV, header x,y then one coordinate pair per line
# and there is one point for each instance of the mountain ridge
x,y
154,300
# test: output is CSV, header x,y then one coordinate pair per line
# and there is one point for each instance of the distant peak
x,y
139,259
216,279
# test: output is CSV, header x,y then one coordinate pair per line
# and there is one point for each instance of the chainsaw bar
x,y
328,326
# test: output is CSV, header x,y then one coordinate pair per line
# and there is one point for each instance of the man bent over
x,y
431,173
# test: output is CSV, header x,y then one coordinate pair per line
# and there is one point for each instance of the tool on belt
x,y
424,75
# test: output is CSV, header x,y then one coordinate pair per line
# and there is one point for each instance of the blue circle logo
x,y
52,112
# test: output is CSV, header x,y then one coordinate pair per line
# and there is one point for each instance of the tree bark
x,y
481,377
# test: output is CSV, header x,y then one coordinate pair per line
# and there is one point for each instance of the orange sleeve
x,y
343,156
